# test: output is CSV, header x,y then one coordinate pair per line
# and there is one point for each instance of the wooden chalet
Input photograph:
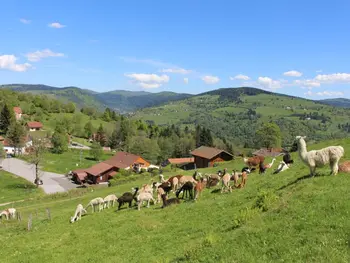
x,y
125,160
207,156
99,173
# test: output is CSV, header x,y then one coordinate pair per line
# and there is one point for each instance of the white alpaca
x,y
8,213
4,213
319,158
78,212
108,200
96,202
161,178
281,167
144,196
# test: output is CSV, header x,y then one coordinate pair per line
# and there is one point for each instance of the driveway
x,y
52,182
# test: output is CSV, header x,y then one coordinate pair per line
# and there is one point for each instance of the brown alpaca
x,y
235,176
344,167
244,180
254,161
199,187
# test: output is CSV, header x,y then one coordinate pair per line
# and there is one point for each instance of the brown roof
x,y
81,174
207,152
17,110
99,168
273,152
181,160
34,124
122,160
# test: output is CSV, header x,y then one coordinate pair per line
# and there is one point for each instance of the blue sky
x,y
292,47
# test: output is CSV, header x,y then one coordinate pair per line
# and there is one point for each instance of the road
x,y
52,182
76,145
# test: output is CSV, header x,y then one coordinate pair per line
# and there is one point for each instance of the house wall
x,y
103,177
143,162
216,159
201,162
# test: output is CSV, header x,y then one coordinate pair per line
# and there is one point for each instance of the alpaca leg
x,y
139,205
312,171
334,168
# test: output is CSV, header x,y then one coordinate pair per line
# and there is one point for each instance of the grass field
x,y
13,188
287,217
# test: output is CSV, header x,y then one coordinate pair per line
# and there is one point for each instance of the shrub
x,y
265,200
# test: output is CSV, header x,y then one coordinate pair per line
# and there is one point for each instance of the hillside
x,y
236,113
287,217
339,102
119,100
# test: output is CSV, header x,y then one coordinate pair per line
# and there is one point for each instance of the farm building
x,y
206,156
18,112
269,152
11,149
99,173
182,163
79,176
34,126
125,160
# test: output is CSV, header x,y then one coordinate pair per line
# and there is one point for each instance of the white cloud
x,y
176,70
334,78
38,55
269,83
308,93
56,25
149,77
210,79
186,80
149,85
310,83
293,73
9,62
25,21
240,77
330,93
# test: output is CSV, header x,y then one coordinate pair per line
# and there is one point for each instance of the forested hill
x,y
338,102
236,113
119,100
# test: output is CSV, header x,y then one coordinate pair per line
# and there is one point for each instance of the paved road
x,y
52,182
79,146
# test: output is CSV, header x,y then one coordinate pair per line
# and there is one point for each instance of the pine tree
x,y
88,130
101,136
96,151
6,118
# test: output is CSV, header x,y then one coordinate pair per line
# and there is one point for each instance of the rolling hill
x,y
236,114
119,100
338,102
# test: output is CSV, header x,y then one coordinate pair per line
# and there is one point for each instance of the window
x,y
101,178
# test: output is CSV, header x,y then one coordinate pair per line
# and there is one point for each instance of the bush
x,y
265,200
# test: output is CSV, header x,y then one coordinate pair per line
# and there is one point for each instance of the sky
x,y
295,47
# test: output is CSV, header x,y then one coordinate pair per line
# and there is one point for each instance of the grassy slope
x,y
306,221
13,188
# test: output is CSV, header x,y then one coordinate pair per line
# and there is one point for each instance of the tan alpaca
x,y
108,200
184,179
78,212
226,183
96,202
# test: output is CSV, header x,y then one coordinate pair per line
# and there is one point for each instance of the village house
x,y
182,163
34,126
99,173
18,112
125,160
11,149
207,156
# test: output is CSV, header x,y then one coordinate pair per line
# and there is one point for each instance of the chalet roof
x,y
181,160
34,124
99,168
17,110
80,173
272,152
122,160
207,152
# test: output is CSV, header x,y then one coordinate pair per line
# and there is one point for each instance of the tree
x,y
96,151
114,140
59,142
269,135
6,118
36,157
2,153
101,136
89,129
16,135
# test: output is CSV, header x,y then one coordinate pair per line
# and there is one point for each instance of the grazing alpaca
x,y
78,212
186,178
166,187
344,167
8,213
287,158
186,188
4,213
319,158
146,188
199,187
253,161
235,176
245,172
263,167
96,202
144,196
281,167
174,181
226,182
167,202
127,198
109,199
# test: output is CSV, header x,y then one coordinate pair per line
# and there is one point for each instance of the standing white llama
x,y
319,158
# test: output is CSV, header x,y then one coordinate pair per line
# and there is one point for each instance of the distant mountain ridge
x,y
119,100
337,102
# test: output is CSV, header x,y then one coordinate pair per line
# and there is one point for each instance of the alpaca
x,y
199,187
319,158
187,188
78,212
8,213
184,179
4,213
109,199
146,188
166,187
263,167
344,167
127,198
226,183
174,180
253,161
144,196
281,167
287,158
245,172
171,201
161,178
235,176
96,202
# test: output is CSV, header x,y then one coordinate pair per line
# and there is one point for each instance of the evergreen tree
x,y
96,151
198,136
59,142
6,118
114,140
101,136
88,128
16,135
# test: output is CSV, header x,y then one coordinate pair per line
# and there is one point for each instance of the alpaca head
x,y
245,159
299,138
72,219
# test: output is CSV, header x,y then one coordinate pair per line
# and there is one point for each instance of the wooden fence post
x,y
30,222
19,217
48,213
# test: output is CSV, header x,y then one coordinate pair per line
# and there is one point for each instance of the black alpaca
x,y
171,201
287,158
187,188
127,198
166,186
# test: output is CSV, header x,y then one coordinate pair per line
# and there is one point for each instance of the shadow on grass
x,y
215,191
21,186
89,158
301,179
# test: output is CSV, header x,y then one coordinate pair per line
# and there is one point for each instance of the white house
x,y
10,149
